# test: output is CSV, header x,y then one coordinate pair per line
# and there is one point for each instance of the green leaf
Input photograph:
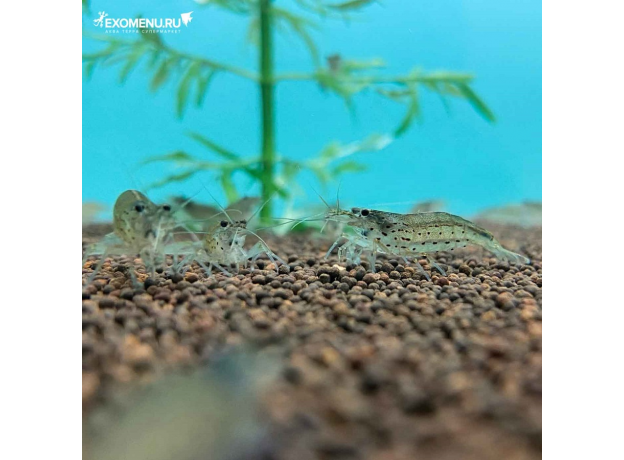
x,y
434,87
178,157
350,166
221,151
285,180
395,95
441,77
282,192
351,5
335,150
356,66
88,69
255,173
113,59
161,75
185,86
173,178
202,87
476,102
451,89
131,63
229,188
253,31
321,174
290,170
153,60
341,84
372,143
330,151
413,111
299,26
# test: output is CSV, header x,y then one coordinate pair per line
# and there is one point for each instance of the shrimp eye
x,y
139,208
365,212
224,223
166,207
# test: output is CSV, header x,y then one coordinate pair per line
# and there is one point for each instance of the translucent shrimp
x,y
223,246
408,235
140,227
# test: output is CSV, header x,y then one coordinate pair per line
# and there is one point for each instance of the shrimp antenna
x,y
258,236
127,171
324,225
392,203
218,204
285,219
210,218
337,199
260,208
234,237
299,221
181,207
186,202
322,199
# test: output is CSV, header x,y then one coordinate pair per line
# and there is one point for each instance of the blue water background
x,y
456,156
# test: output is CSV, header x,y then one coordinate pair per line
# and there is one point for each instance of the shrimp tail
x,y
504,254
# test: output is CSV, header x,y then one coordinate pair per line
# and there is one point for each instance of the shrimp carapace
x,y
137,220
140,227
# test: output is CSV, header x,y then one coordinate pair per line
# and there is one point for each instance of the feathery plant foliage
x,y
345,78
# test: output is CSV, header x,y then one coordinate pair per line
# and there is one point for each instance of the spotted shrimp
x,y
409,235
140,227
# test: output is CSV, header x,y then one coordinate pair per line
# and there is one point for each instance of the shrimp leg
x,y
419,267
373,260
435,265
133,278
208,268
98,267
336,244
260,248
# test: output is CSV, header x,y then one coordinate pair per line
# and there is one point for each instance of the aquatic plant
x,y
343,77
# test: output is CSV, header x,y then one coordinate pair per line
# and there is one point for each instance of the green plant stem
x,y
268,114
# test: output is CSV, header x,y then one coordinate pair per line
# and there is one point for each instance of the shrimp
x,y
407,235
224,243
223,246
140,227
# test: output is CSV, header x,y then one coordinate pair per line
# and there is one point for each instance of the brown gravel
x,y
382,366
